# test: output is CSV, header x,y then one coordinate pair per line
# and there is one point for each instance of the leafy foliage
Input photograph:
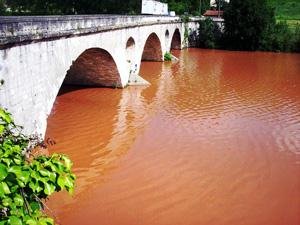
x,y
52,7
286,9
251,25
246,22
168,56
2,8
209,34
59,7
26,181
281,38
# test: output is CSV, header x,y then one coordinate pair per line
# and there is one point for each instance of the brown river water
x,y
215,140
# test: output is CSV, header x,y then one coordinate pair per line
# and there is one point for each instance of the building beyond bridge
x,y
39,54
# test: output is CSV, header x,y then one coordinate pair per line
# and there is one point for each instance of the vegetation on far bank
x,y
250,25
286,9
58,7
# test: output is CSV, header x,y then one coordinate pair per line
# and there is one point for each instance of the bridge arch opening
x,y
167,38
152,49
130,47
167,34
176,40
94,67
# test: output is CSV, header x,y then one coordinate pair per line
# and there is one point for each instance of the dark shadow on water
x,y
67,88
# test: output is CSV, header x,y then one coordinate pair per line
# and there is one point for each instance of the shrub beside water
x,y
168,56
282,38
25,180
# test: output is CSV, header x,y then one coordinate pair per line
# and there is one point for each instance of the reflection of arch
x,y
152,49
176,40
94,67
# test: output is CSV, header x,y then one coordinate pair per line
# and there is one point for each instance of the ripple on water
x,y
214,140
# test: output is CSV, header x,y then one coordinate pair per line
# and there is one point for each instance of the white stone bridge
x,y
38,54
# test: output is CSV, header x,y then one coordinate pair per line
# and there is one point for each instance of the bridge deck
x,y
16,30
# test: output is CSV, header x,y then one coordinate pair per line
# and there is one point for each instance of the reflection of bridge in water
x,y
135,107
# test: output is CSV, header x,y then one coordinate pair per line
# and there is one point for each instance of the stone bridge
x,y
39,54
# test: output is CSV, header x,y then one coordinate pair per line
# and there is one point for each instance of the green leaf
x,y
35,187
13,220
21,175
61,182
5,116
65,181
35,206
4,189
17,161
6,201
49,188
3,172
18,199
52,177
44,173
46,221
15,169
67,161
2,128
31,222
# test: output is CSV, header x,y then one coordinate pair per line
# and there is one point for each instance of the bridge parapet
x,y
15,30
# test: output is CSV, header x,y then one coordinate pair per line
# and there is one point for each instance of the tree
x,y
209,34
2,8
246,23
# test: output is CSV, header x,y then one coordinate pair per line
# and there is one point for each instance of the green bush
x,y
168,56
281,38
25,180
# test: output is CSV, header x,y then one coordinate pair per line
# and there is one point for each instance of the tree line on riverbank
x,y
250,25
63,7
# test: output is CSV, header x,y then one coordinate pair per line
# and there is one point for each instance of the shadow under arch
x,y
152,49
176,40
94,67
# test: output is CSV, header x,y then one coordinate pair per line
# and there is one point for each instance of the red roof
x,y
213,13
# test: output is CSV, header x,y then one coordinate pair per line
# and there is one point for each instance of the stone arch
x,y
94,67
176,40
152,49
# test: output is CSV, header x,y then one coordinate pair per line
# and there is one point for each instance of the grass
x,y
291,23
286,9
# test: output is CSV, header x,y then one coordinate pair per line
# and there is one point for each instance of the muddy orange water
x,y
215,140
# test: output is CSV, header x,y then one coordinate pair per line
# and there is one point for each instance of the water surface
x,y
215,140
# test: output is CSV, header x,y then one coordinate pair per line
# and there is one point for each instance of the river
x,y
214,140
